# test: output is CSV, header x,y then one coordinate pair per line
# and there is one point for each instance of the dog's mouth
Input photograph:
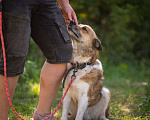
x,y
73,31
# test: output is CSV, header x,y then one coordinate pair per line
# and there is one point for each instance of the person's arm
x,y
68,12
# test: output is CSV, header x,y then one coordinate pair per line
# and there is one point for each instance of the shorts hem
x,y
11,74
57,62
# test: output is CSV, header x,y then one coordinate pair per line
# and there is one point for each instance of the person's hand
x,y
69,14
67,11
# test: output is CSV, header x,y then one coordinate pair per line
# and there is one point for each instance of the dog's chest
x,y
78,86
88,82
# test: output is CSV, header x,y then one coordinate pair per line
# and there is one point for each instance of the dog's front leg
x,y
82,106
82,101
66,104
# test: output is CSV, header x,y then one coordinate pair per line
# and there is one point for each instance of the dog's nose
x,y
72,23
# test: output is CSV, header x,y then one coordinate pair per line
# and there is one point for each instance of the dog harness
x,y
75,66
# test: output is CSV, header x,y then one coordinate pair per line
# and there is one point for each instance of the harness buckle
x,y
74,71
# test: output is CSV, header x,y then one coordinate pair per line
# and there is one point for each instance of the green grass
x,y
127,84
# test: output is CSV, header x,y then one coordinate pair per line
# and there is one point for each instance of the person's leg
x,y
4,105
51,77
16,35
50,34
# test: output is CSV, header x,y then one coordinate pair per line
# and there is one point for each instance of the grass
x,y
127,84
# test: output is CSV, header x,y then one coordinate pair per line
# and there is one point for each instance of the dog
x,y
87,98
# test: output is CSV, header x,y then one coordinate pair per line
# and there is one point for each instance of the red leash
x,y
5,76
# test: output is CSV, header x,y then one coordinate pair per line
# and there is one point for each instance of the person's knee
x,y
52,74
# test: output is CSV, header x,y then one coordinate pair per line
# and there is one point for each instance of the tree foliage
x,y
122,25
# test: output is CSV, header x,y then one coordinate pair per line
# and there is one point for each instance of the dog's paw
x,y
103,118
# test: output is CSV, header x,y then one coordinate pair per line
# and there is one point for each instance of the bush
x,y
122,26
31,73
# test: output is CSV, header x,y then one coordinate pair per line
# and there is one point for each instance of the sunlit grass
x,y
125,82
35,89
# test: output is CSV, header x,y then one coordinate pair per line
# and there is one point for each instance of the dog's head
x,y
86,45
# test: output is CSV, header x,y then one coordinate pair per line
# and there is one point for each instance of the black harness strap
x,y
75,67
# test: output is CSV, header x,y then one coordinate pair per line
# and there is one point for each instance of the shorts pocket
x,y
60,22
16,35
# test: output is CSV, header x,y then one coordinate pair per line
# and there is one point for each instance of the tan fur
x,y
86,49
89,80
95,80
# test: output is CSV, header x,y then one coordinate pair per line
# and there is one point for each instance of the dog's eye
x,y
84,28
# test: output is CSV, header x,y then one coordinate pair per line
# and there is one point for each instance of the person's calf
x,y
4,105
51,77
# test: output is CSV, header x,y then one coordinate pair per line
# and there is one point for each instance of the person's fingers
x,y
74,18
67,21
70,16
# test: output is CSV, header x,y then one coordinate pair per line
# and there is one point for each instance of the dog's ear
x,y
97,44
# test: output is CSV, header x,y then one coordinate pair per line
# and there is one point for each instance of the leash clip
x,y
74,71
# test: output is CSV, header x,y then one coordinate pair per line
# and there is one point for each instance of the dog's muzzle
x,y
74,31
71,24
